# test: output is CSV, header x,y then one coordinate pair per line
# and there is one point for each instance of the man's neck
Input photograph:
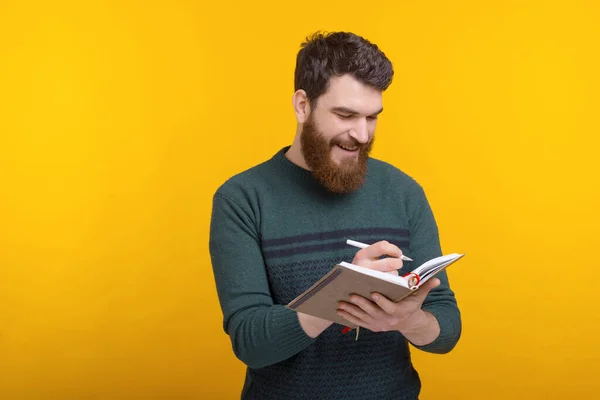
x,y
294,154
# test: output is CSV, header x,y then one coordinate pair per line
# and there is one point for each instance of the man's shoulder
x,y
389,173
245,180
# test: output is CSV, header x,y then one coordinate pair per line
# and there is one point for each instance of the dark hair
x,y
325,55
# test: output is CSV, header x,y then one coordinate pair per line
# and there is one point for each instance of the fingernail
x,y
375,297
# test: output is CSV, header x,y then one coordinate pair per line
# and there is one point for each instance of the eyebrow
x,y
347,110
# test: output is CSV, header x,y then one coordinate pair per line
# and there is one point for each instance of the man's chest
x,y
297,257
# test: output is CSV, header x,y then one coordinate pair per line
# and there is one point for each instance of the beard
x,y
345,177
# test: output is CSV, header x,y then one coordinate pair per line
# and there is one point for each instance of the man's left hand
x,y
380,314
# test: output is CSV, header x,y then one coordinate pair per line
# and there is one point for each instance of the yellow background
x,y
118,120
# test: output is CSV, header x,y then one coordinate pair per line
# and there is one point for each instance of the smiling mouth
x,y
347,148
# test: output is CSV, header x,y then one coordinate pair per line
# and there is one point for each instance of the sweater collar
x,y
301,175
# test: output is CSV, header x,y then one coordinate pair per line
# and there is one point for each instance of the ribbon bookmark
x,y
348,329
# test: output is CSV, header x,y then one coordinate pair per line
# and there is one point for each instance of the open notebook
x,y
322,299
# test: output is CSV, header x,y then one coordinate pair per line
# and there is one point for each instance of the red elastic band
x,y
346,329
415,275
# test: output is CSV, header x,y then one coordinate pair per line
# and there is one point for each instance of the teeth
x,y
347,148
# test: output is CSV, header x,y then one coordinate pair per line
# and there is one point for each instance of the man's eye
x,y
343,116
372,117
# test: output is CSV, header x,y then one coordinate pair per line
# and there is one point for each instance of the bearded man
x,y
278,227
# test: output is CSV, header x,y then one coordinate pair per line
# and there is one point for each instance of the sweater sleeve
x,y
261,332
441,302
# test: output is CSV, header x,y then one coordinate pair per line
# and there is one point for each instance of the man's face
x,y
338,135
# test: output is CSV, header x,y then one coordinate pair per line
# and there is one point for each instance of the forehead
x,y
346,91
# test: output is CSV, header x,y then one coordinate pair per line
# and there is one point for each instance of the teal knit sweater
x,y
275,231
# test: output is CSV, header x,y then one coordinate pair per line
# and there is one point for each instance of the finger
x,y
351,318
384,303
381,248
366,305
424,290
355,311
386,265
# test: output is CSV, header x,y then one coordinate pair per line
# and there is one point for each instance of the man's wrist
x,y
422,329
313,326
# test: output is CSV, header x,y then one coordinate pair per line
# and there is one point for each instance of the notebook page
x,y
377,274
435,263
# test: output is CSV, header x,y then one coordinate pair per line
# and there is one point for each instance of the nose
x,y
360,131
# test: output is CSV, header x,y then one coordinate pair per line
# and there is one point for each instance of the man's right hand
x,y
369,257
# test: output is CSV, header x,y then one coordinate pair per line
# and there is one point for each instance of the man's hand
x,y
369,257
380,314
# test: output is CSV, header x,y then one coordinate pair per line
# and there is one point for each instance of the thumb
x,y
424,290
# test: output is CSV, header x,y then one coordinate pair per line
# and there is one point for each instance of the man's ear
x,y
301,106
